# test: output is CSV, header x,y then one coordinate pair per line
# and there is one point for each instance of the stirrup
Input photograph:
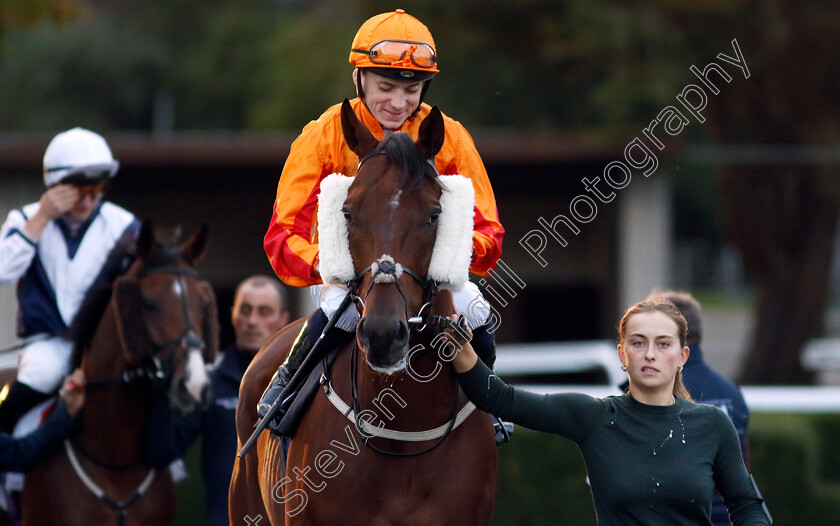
x,y
503,430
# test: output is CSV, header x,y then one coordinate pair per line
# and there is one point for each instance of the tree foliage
x,y
274,64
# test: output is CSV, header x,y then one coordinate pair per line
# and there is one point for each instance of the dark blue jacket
x,y
708,387
22,454
171,435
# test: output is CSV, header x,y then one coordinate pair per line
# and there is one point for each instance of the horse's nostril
x,y
401,337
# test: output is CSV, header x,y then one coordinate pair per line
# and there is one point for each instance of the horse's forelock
x,y
166,255
401,150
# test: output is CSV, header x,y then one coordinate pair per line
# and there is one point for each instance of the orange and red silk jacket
x,y
291,241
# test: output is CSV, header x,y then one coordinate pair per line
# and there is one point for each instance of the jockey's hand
x,y
58,200
73,392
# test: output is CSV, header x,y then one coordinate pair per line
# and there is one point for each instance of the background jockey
x,y
54,249
395,60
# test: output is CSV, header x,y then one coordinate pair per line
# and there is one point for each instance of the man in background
x,y
707,386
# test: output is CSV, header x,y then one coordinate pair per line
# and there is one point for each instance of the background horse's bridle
x,y
158,369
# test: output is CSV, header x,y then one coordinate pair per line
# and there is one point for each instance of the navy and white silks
x,y
53,274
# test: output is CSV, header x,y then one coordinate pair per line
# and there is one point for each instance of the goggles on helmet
x,y
401,53
81,174
92,190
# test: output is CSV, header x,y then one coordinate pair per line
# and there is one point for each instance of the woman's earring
x,y
623,367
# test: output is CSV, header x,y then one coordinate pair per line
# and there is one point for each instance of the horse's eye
x,y
149,305
433,218
347,216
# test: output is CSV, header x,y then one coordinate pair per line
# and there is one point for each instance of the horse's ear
x,y
431,134
146,239
195,246
134,336
358,137
210,329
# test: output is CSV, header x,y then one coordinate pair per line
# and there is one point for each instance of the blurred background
x,y
200,102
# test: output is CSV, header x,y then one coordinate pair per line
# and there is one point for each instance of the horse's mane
x,y
401,150
96,300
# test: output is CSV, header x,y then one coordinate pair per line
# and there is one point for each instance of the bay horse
x,y
157,330
403,449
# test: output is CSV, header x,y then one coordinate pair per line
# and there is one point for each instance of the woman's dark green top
x,y
647,465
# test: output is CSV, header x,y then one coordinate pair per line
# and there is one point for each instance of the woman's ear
x,y
620,353
684,355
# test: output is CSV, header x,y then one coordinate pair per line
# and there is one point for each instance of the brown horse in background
x,y
157,331
344,471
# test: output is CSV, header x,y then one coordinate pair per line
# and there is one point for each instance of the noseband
x,y
386,270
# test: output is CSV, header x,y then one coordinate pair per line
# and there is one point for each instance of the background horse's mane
x,y
98,296
402,151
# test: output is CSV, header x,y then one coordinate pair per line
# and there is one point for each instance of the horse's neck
x,y
114,416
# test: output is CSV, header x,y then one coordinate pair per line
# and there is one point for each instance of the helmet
x,y
78,156
395,45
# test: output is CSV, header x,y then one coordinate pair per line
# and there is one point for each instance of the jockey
x,y
54,249
395,60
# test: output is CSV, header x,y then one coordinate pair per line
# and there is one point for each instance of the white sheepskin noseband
x,y
451,255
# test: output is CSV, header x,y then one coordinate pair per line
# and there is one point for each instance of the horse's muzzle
x,y
385,342
182,401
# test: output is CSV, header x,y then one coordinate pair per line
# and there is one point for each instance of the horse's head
x,y
385,237
166,317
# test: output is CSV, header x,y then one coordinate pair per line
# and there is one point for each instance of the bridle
x,y
386,270
157,369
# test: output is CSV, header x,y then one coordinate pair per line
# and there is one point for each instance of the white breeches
x,y
44,364
468,301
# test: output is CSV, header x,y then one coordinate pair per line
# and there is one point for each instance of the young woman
x,y
653,456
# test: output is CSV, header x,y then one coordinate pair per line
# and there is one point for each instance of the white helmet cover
x,y
79,154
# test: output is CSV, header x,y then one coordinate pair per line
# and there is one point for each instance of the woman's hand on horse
x,y
465,358
73,392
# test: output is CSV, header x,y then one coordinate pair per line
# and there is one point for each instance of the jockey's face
x,y
85,205
391,101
